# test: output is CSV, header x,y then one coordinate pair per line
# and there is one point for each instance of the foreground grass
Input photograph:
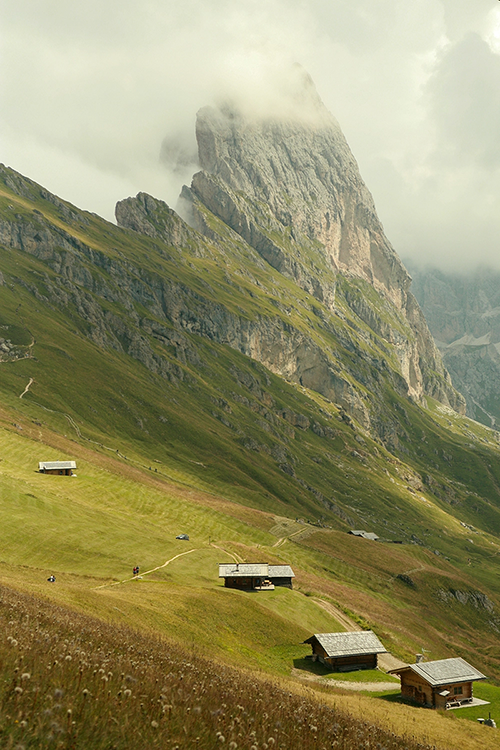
x,y
71,681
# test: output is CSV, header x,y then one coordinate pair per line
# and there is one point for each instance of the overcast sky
x,y
90,90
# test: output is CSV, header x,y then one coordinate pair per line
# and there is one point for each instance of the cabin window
x,y
420,688
457,690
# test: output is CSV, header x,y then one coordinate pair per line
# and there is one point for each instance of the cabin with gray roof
x,y
61,468
346,652
445,683
258,576
281,575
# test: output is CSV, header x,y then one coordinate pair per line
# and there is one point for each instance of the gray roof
x,y
243,570
365,534
56,465
444,671
280,571
349,644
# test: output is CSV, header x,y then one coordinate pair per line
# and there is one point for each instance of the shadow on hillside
x,y
314,667
398,698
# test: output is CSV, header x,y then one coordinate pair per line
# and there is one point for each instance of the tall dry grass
x,y
70,681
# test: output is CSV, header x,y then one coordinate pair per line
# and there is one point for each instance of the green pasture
x,y
486,692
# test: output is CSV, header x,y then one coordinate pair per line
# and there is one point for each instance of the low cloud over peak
x,y
98,101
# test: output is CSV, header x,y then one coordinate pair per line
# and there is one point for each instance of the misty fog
x,y
98,100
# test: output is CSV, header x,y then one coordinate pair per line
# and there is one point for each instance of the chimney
x,y
419,658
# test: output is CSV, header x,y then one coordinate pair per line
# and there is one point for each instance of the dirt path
x,y
344,619
159,567
371,687
304,532
236,558
27,388
388,662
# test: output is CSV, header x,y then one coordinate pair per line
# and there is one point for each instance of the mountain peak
x,y
296,162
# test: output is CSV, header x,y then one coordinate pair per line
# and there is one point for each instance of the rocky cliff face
x,y
322,300
463,313
291,189
302,173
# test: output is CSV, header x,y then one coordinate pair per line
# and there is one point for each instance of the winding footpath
x,y
27,388
134,578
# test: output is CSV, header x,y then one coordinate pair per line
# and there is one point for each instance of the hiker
x,y
51,579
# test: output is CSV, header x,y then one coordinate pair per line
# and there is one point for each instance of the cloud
x,y
98,100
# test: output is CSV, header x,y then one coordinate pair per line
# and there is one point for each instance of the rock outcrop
x,y
291,189
463,313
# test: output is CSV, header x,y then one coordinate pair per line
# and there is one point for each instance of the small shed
x,y
281,575
244,575
260,576
61,468
445,683
346,652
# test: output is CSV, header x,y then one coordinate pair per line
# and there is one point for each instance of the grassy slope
x,y
117,513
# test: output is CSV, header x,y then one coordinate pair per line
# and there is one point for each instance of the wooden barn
x,y
281,575
61,468
346,652
258,576
446,683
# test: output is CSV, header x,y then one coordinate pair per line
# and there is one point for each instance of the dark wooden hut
x,y
61,468
445,683
346,652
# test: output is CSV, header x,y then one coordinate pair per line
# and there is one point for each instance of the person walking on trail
x,y
136,570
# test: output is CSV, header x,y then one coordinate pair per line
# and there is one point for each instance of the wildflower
x,y
313,728
271,741
18,690
233,746
221,738
25,676
154,724
127,693
68,657
85,691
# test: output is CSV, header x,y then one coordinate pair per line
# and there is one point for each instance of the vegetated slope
x,y
115,373
71,681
